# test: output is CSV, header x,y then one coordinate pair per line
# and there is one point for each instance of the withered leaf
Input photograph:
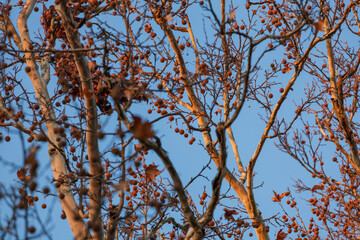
x,y
277,197
281,235
142,130
31,161
319,26
138,147
120,186
151,172
117,93
123,90
231,15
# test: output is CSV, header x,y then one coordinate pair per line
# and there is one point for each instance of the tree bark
x,y
95,167
77,225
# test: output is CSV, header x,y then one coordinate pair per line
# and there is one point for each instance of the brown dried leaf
x,y
138,147
232,14
126,90
319,26
31,161
117,93
119,187
277,197
142,130
151,172
281,235
132,92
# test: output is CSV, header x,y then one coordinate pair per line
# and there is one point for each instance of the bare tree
x,y
91,62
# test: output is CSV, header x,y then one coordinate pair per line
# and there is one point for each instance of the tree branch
x,y
95,167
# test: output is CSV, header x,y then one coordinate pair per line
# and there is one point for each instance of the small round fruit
x,y
93,2
31,229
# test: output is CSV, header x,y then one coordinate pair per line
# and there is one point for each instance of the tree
x,y
91,62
